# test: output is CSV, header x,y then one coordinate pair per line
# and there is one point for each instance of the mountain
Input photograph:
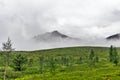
x,y
114,37
54,36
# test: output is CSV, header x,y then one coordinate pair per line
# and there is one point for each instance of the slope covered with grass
x,y
64,64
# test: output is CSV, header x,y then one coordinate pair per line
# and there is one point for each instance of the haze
x,y
85,19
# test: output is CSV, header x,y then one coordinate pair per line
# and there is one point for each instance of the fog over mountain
x,y
89,20
115,37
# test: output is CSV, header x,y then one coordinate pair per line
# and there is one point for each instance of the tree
x,y
116,61
111,53
30,62
79,60
41,62
19,62
7,48
65,60
115,56
91,56
52,66
96,59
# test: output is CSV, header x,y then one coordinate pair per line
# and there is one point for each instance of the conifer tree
x,y
111,53
91,56
79,60
19,62
52,66
115,57
96,59
7,48
41,62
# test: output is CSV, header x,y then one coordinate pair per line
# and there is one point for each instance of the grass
x,y
102,70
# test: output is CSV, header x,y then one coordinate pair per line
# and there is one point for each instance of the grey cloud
x,y
22,19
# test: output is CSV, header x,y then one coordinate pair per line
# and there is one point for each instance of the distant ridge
x,y
56,33
54,36
114,37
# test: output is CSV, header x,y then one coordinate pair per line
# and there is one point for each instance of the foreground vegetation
x,y
75,63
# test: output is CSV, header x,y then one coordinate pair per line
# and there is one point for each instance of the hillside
x,y
70,63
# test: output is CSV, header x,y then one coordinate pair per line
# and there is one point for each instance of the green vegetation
x,y
113,54
74,63
19,62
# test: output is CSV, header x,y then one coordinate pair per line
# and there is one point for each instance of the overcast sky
x,y
26,18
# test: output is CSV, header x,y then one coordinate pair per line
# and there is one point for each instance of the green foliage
x,y
79,60
113,55
7,48
41,62
91,56
65,64
96,59
52,66
19,62
30,62
64,60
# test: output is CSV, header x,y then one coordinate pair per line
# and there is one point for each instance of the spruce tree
x,y
111,53
52,66
91,56
41,62
79,60
7,48
19,62
96,59
115,56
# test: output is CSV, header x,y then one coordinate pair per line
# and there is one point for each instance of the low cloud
x,y
23,19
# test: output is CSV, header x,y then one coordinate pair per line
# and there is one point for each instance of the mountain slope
x,y
114,37
54,36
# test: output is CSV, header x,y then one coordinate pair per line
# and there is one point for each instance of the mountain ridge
x,y
54,36
114,37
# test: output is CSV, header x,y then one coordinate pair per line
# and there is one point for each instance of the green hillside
x,y
74,63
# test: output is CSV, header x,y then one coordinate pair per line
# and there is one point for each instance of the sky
x,y
23,19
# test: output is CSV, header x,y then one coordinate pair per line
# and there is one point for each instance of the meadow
x,y
71,63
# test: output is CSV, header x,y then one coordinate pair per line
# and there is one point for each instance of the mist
x,y
90,20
